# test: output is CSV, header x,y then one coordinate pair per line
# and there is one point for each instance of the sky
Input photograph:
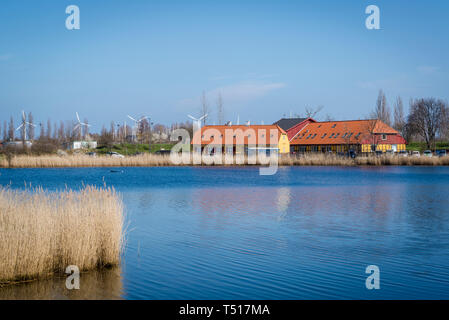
x,y
268,59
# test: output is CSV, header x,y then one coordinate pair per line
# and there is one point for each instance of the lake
x,y
229,233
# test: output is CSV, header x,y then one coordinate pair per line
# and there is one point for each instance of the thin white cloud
x,y
427,69
245,91
5,57
237,93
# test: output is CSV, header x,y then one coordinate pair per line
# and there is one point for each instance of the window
x,y
345,135
384,137
337,135
332,135
324,136
334,125
358,135
314,136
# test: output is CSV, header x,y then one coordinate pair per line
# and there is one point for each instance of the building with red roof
x,y
343,136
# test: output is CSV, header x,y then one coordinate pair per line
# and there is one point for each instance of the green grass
x,y
131,148
421,146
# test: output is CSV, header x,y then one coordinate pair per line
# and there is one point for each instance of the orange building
x,y
361,136
239,139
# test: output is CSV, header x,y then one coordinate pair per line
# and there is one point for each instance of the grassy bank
x,y
151,160
42,233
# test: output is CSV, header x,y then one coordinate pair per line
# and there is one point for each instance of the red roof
x,y
346,132
238,134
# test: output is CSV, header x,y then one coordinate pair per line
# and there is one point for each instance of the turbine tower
x,y
24,124
136,125
197,122
80,125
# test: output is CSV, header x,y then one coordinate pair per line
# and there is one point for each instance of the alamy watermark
x,y
373,280
372,22
73,20
73,280
261,148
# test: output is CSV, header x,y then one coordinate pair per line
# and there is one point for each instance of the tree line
x,y
427,119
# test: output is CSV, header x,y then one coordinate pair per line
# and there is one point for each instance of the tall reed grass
x,y
42,233
150,160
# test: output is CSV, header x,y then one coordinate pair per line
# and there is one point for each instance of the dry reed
x,y
42,233
149,160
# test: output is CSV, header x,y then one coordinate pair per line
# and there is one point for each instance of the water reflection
x,y
305,233
94,285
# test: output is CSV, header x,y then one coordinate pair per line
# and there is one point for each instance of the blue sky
x,y
267,58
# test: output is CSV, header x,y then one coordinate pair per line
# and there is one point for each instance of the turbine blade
x,y
19,127
132,118
78,117
191,117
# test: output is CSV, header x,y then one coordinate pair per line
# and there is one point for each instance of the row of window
x,y
234,136
347,135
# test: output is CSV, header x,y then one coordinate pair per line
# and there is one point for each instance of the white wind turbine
x,y
197,122
80,124
24,124
136,124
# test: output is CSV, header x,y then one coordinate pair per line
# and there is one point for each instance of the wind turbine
x,y
197,121
136,124
24,125
80,124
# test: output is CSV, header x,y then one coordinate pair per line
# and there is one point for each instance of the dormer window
x,y
333,126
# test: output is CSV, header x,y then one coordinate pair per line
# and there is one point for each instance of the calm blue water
x,y
304,233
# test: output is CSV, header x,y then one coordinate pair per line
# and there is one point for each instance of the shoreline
x,y
148,160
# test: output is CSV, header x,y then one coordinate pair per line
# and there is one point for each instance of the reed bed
x,y
41,233
150,160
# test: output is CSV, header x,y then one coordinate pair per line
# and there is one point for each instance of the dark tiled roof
x,y
287,123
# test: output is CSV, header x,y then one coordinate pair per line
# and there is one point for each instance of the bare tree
x,y
220,110
400,123
312,112
48,129
204,107
61,132
55,132
444,131
369,133
5,131
11,130
426,119
382,111
41,131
